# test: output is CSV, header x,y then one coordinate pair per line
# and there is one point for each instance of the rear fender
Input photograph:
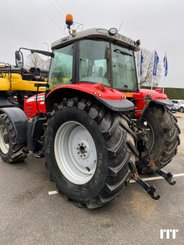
x,y
4,102
19,122
35,130
166,102
145,98
111,98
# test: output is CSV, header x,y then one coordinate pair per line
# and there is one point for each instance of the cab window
x,y
61,67
94,61
123,69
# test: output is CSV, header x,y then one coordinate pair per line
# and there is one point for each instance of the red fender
x,y
144,96
112,98
97,90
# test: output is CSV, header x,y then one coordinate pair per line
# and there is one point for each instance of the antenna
x,y
78,25
120,26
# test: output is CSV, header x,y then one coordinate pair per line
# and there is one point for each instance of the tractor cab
x,y
95,56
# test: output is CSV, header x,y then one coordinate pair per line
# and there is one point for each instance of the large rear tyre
x,y
10,150
162,137
87,152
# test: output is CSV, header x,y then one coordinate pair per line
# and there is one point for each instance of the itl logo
x,y
168,233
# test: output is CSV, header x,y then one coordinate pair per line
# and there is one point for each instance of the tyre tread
x,y
17,152
119,151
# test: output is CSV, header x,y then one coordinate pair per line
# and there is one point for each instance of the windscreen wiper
x,y
122,52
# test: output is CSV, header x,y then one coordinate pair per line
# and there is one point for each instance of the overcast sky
x,y
37,23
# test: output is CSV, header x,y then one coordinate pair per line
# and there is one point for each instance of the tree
x,y
147,78
34,60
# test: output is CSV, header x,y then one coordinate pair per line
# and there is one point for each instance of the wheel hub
x,y
83,150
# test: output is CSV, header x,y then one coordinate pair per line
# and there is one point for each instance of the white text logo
x,y
168,233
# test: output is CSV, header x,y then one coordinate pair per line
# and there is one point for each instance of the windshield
x,y
96,64
61,67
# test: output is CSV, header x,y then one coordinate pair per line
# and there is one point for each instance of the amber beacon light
x,y
69,20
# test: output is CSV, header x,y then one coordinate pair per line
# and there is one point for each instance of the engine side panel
x,y
35,105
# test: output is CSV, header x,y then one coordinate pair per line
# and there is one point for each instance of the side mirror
x,y
19,59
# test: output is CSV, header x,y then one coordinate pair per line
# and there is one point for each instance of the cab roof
x,y
98,33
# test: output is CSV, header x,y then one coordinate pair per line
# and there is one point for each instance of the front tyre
x,y
87,152
10,150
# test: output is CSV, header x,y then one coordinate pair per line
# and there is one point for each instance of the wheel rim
x,y
75,152
4,146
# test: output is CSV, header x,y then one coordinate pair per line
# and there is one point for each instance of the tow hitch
x,y
167,176
151,190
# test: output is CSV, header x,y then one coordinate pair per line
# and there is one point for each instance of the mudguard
x,y
4,102
19,122
166,102
111,98
117,105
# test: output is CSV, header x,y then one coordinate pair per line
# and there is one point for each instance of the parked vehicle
x,y
172,108
179,104
18,83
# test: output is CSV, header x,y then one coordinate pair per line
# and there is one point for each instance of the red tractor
x,y
93,125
